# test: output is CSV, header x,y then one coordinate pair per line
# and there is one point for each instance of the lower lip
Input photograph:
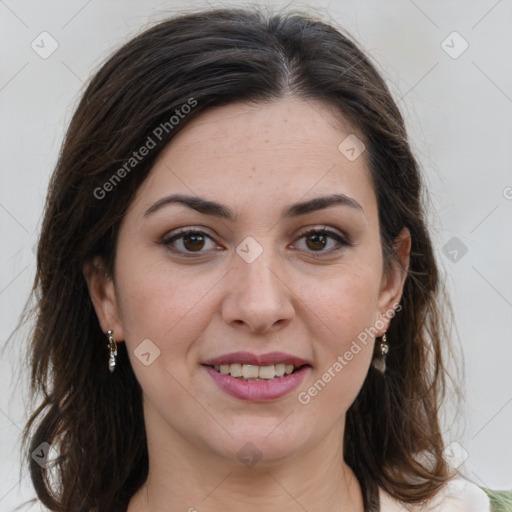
x,y
258,391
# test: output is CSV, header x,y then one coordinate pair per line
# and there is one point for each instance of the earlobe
x,y
102,292
394,279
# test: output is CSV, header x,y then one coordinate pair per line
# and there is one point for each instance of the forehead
x,y
280,126
285,148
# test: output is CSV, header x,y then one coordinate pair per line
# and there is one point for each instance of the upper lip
x,y
257,360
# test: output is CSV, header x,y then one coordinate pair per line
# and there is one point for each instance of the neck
x,y
185,477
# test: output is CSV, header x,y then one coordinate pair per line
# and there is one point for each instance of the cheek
x,y
344,353
169,308
163,313
348,304
344,348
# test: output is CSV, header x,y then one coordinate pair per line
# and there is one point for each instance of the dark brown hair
x,y
95,419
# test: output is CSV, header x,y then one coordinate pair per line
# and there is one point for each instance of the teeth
x,y
266,372
252,372
249,371
224,368
235,370
279,370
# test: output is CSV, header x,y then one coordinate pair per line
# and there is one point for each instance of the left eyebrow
x,y
215,209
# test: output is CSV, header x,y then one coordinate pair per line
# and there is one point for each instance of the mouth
x,y
255,373
252,378
257,377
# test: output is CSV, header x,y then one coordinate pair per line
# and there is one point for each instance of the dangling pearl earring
x,y
380,363
112,345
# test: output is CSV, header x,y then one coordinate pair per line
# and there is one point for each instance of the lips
x,y
267,359
258,390
229,373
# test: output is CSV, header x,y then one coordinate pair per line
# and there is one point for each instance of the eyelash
x,y
168,241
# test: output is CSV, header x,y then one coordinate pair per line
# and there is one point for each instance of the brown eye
x,y
193,242
188,241
318,239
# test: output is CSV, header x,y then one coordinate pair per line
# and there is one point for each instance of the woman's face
x,y
252,281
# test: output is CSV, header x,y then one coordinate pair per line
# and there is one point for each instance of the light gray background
x,y
459,116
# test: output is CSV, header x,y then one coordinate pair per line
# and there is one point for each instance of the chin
x,y
264,446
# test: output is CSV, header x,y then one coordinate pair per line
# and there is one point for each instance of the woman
x,y
239,304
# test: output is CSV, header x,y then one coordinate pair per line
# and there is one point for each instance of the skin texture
x,y
296,297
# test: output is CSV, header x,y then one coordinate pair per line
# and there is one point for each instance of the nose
x,y
258,297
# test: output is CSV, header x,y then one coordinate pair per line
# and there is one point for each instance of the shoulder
x,y
457,495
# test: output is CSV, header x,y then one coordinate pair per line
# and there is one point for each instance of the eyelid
x,y
326,230
181,233
341,238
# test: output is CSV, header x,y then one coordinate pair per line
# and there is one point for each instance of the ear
x,y
393,280
103,296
